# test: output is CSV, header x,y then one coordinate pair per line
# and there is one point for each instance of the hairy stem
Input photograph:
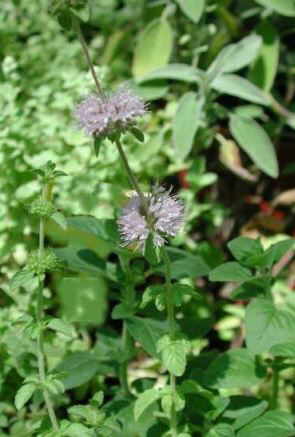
x,y
40,339
132,178
171,322
76,25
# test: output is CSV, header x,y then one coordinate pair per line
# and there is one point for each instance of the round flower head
x,y
103,115
165,217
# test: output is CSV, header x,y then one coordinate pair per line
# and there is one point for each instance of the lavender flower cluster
x,y
166,215
101,115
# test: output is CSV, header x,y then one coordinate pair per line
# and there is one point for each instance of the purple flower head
x,y
103,115
166,214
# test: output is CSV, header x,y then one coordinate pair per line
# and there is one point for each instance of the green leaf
x,y
79,368
60,325
184,264
173,354
272,423
243,409
237,86
256,143
235,368
267,325
22,278
82,260
252,288
233,57
230,271
147,332
186,123
103,229
83,299
192,9
243,247
98,141
221,430
144,400
78,430
275,252
286,350
122,311
24,394
182,72
284,7
60,219
153,48
264,69
137,133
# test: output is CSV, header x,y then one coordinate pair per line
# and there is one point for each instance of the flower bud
x,y
42,208
47,262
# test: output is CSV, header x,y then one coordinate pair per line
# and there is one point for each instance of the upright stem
x,y
40,340
275,389
131,177
127,342
171,322
77,27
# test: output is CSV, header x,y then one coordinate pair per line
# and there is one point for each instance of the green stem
x,y
76,25
40,339
171,322
127,342
124,364
275,388
131,177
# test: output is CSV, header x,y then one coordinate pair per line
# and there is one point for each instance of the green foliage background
x,y
219,126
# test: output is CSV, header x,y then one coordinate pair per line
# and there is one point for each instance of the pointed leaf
x,y
272,423
144,400
154,48
186,122
256,143
192,8
230,271
267,325
237,86
24,394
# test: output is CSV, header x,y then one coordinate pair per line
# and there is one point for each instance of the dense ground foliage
x,y
197,339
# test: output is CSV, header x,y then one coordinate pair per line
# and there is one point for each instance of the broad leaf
x,y
78,368
284,7
182,72
267,325
153,49
271,424
60,325
83,299
147,332
237,86
235,56
21,279
24,394
192,8
243,409
235,368
230,271
144,400
173,353
259,286
283,350
264,69
243,247
186,123
221,430
256,143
